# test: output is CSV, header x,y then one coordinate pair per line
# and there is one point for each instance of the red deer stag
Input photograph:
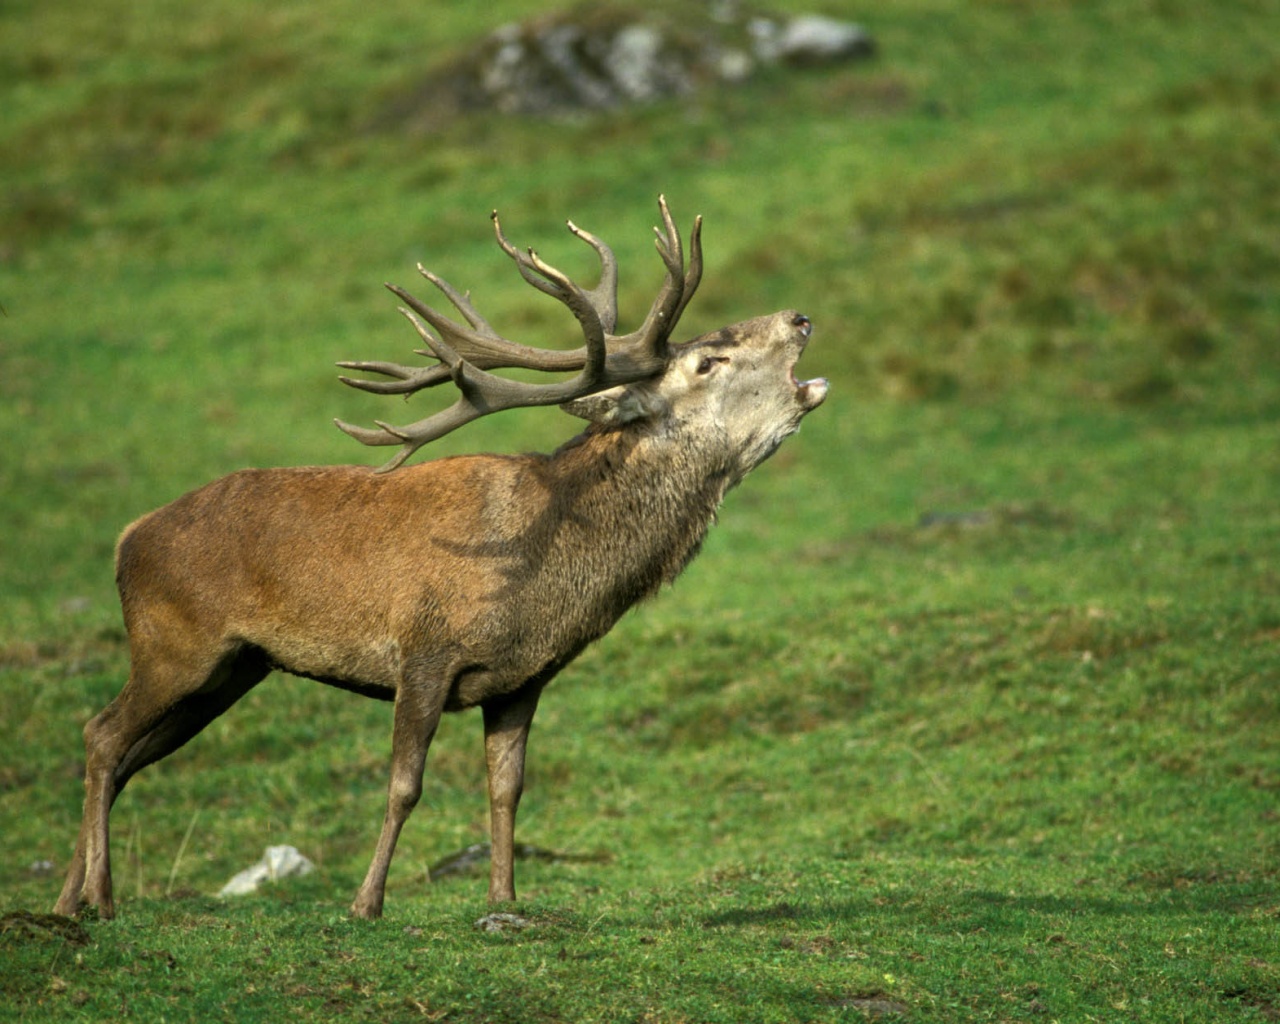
x,y
454,583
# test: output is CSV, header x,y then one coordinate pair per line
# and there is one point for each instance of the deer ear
x,y
616,406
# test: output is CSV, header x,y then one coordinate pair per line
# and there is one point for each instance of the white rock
x,y
277,862
502,922
766,39
633,61
734,65
812,37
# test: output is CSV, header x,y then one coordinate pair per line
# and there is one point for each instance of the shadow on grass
x,y
992,911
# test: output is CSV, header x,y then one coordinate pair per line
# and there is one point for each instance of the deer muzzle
x,y
810,393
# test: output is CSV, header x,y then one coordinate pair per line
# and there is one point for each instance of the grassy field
x,y
970,709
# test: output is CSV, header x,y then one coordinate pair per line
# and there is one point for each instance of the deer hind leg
x,y
107,739
506,734
417,714
142,725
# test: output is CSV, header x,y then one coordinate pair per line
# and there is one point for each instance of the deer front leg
x,y
416,716
506,733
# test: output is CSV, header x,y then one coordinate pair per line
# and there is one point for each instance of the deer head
x,y
621,378
736,387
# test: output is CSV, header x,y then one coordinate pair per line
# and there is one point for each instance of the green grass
x,y
969,709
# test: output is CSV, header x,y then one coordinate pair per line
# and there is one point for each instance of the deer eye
x,y
709,361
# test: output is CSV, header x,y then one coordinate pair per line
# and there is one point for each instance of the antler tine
x,y
413,378
408,378
585,305
604,296
466,353
524,262
481,393
692,277
461,302
485,348
649,340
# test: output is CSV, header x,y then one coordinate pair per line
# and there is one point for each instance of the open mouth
x,y
810,392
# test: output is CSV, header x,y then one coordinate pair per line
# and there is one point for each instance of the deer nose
x,y
803,324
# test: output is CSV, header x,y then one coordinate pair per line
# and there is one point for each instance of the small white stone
x,y
501,922
277,862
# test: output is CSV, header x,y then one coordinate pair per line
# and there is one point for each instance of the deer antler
x,y
466,353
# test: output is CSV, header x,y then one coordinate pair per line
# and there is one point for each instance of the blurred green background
x,y
970,704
